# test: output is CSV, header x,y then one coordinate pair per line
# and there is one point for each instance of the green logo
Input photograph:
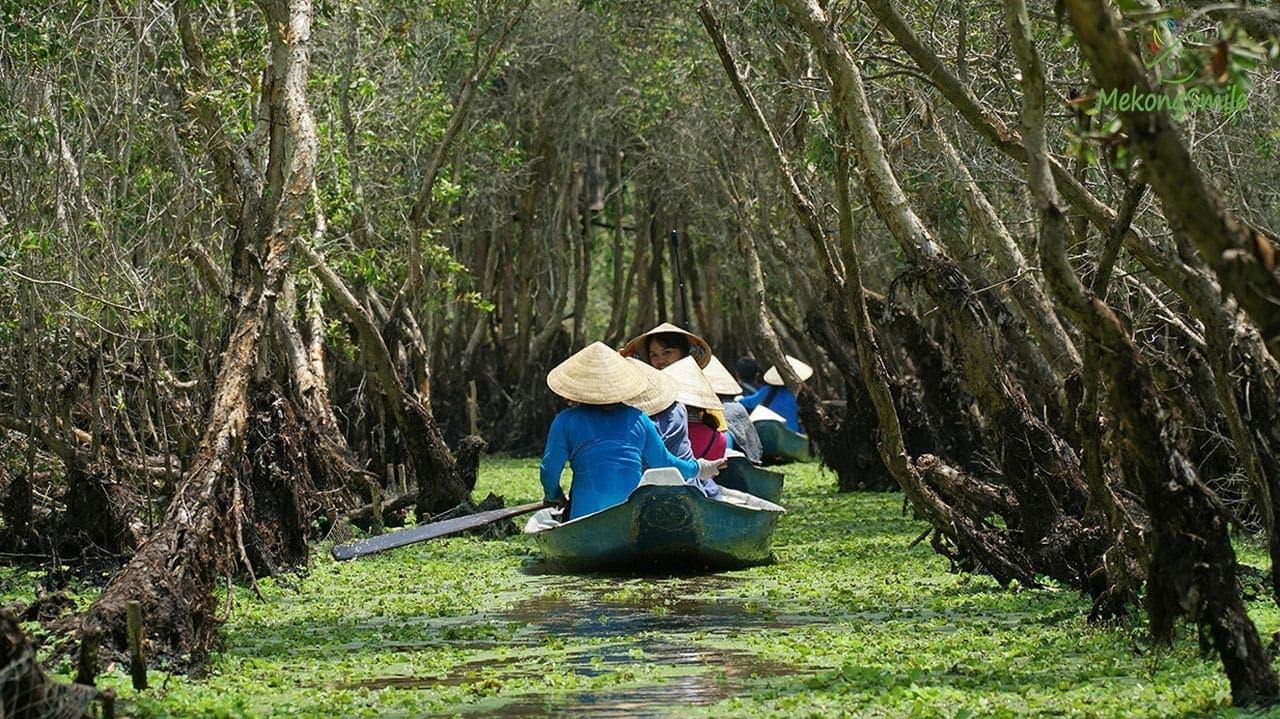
x,y
1179,102
1179,68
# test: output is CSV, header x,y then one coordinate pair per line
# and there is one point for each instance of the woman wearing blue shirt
x,y
605,442
775,395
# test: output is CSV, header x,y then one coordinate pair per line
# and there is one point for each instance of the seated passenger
x,y
705,409
659,402
774,395
707,435
742,433
605,442
666,344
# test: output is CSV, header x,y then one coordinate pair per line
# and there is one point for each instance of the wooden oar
x,y
422,533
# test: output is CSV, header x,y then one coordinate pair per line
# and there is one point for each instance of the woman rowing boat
x,y
605,442
777,397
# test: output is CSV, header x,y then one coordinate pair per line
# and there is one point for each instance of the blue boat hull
x,y
780,444
746,477
664,527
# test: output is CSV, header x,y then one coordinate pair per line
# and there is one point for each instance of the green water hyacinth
x,y
851,620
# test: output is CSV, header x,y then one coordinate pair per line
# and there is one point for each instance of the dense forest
x,y
273,270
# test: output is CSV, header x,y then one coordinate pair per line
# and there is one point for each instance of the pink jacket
x,y
706,442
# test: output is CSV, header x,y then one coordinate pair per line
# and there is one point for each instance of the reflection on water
x,y
654,621
706,675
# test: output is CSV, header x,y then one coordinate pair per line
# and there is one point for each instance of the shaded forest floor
x,y
849,621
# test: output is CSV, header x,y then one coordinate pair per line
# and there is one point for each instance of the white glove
x,y
708,468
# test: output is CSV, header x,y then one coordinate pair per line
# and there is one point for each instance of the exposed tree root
x,y
17,510
255,513
101,512
844,438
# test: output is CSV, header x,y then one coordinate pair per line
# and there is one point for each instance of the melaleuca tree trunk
x,y
201,537
962,521
1043,472
1237,348
1193,564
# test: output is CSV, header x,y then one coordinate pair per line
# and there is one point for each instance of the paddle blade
x,y
423,532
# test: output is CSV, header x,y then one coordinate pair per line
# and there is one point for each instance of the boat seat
x,y
661,477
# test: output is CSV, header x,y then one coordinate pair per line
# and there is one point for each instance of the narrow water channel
x,y
657,644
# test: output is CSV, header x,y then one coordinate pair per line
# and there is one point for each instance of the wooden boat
x,y
664,524
778,443
744,476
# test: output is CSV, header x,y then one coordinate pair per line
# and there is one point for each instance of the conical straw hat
x,y
659,395
762,413
802,370
596,374
721,381
692,387
698,347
